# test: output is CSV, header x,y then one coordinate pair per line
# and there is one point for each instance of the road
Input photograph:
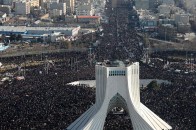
x,y
38,52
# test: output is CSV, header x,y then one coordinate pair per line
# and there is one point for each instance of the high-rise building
x,y
34,3
43,3
168,2
167,31
7,2
57,1
58,6
55,12
153,4
182,18
85,9
70,4
117,85
22,8
142,4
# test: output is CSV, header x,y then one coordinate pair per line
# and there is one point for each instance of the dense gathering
x,y
116,121
172,102
44,100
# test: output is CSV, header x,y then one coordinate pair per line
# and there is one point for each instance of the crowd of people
x,y
44,100
118,121
119,41
173,102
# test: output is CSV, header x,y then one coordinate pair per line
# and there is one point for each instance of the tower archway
x,y
117,115
118,86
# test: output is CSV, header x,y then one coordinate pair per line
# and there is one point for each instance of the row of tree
x,y
15,37
12,37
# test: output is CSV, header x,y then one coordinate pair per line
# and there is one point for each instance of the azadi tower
x,y
117,85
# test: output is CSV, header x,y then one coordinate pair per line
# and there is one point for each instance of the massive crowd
x,y
173,102
119,40
118,121
44,100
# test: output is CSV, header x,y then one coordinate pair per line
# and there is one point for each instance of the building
x,y
115,3
35,3
181,18
142,4
70,5
164,10
168,2
167,21
55,13
88,19
147,20
8,2
42,2
3,17
85,9
182,22
22,8
117,85
167,31
70,19
5,8
58,6
56,1
68,31
183,28
153,4
56,37
193,22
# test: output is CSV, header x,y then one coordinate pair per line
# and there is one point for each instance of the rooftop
x,y
92,17
115,63
24,28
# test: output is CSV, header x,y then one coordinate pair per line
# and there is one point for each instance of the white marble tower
x,y
117,85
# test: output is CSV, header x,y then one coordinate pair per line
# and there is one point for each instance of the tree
x,y
12,37
153,85
2,39
40,40
19,37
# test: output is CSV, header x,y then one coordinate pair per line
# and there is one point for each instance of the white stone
x,y
118,87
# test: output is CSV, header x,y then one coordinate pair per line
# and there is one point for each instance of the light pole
x,y
191,63
165,34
